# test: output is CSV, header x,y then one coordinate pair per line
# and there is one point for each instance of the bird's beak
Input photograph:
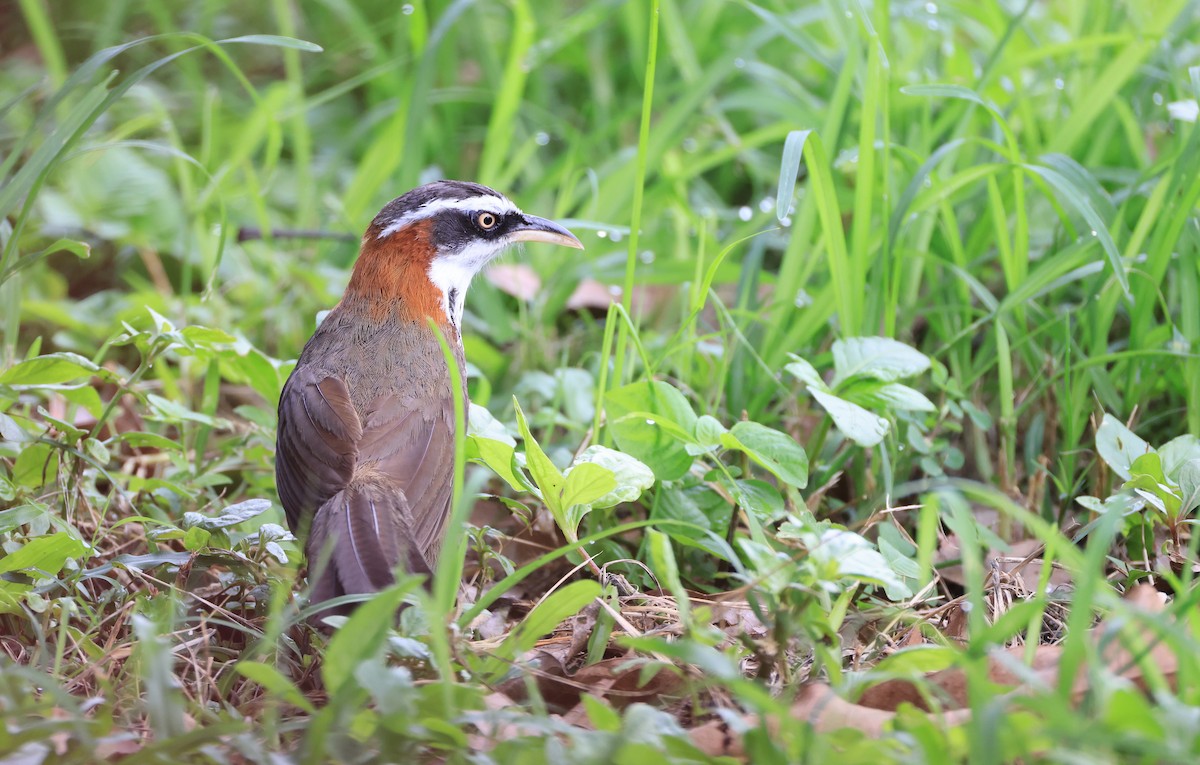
x,y
535,229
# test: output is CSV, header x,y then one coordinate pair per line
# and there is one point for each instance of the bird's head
x,y
423,248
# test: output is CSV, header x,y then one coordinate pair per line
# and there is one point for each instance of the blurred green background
x,y
962,209
1009,187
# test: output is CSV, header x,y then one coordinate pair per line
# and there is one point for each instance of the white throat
x,y
452,275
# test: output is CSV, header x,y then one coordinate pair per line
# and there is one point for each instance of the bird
x,y
365,440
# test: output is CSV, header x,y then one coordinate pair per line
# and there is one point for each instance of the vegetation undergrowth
x,y
867,426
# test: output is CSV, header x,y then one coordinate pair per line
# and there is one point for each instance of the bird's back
x,y
366,448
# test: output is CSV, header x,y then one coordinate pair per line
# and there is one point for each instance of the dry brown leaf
x,y
820,706
516,279
591,294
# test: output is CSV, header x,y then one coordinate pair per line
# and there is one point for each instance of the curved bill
x,y
535,229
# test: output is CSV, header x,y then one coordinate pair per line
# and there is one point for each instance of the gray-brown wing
x,y
411,445
317,444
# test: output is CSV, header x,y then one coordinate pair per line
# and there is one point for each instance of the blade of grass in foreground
x,y
639,191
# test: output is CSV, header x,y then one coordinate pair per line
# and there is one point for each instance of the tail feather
x,y
358,538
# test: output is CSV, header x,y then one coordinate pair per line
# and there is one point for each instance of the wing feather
x,y
316,447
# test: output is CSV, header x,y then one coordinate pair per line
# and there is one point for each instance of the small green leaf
x,y
498,456
662,561
11,431
206,337
363,635
276,41
1150,465
805,373
171,411
544,618
196,539
230,516
585,483
97,451
1119,446
846,554
895,397
777,452
544,472
860,426
880,358
708,432
760,498
632,476
273,681
21,515
481,424
141,439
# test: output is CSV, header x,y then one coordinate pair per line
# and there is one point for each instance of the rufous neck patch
x,y
391,276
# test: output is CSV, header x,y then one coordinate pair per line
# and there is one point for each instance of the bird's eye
x,y
487,221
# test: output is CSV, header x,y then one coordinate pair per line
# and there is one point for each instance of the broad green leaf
x,y
43,555
860,426
631,475
578,391
769,568
482,424
50,369
777,452
82,395
256,370
20,515
654,440
36,465
1119,446
585,483
97,451
880,358
1189,486
698,505
1178,451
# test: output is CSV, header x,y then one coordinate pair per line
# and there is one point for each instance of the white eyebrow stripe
x,y
481,203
